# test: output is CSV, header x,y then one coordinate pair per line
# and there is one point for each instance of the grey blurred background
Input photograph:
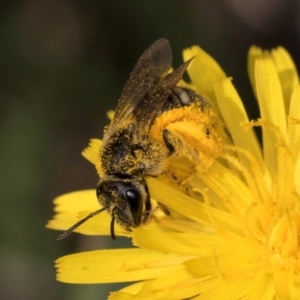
x,y
62,66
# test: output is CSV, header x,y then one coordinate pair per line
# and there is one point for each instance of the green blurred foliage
x,y
62,66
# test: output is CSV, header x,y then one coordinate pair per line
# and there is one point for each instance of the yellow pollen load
x,y
196,133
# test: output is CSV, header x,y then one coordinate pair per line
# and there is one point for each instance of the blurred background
x,y
62,66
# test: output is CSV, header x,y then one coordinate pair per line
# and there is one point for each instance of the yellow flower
x,y
234,228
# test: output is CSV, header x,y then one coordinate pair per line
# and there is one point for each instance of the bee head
x,y
124,199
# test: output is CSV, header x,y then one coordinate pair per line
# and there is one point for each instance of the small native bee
x,y
129,152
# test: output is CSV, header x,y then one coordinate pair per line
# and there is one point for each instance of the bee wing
x,y
154,101
153,65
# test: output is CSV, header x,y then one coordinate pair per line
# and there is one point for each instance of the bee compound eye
x,y
133,198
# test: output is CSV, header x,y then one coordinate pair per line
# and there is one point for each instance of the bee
x,y
130,153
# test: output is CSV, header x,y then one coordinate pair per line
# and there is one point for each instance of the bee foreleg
x,y
148,211
163,208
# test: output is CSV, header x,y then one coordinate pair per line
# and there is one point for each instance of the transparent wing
x,y
153,65
154,101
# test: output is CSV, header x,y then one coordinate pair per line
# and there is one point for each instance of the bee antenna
x,y
71,229
112,225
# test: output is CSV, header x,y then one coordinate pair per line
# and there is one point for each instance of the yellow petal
x,y
75,202
286,71
242,262
225,289
253,54
283,279
218,178
120,296
190,244
118,265
270,94
294,123
204,71
91,153
179,285
128,292
234,114
133,288
262,287
177,200
285,68
297,174
271,107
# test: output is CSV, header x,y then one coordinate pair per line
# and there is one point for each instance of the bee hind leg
x,y
168,141
148,211
163,208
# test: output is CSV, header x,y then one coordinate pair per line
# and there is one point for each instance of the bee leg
x,y
148,211
163,208
167,139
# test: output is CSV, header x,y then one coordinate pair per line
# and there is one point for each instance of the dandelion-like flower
x,y
233,230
